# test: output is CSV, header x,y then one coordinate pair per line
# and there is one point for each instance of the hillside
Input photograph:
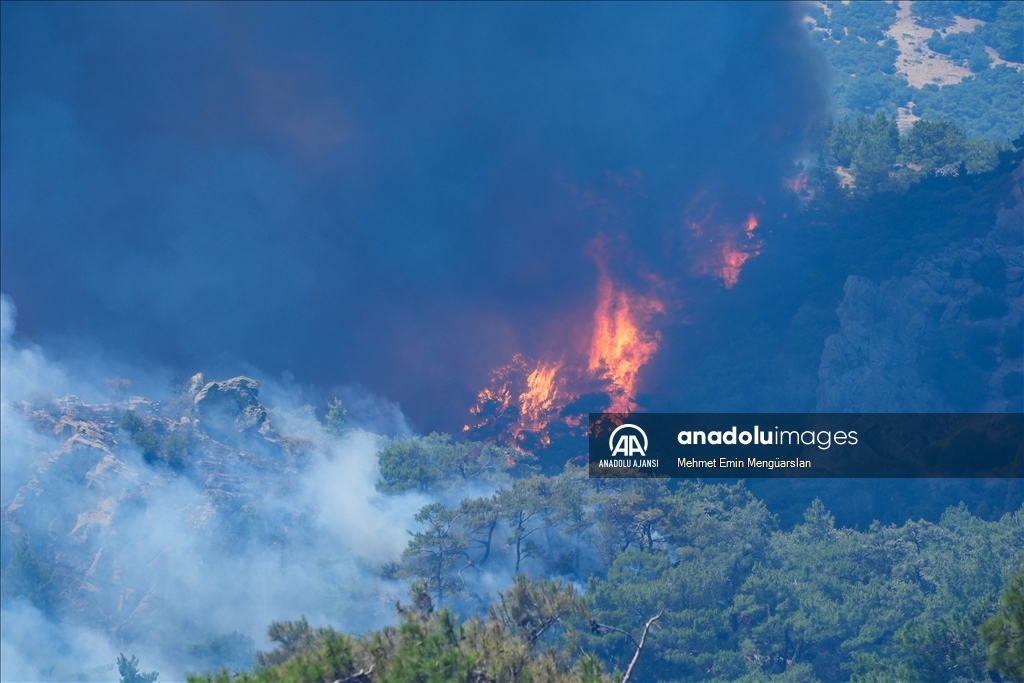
x,y
133,547
957,61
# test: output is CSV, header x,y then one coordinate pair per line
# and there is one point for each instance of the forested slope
x,y
735,596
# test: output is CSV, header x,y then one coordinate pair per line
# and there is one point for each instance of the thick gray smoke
x,y
395,195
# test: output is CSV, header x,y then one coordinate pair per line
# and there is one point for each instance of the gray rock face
x,y
232,405
939,339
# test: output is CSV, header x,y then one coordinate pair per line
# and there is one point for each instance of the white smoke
x,y
165,568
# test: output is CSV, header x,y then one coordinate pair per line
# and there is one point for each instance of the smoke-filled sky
x,y
396,195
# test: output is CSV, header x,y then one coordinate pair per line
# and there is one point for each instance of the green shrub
x,y
131,422
175,450
129,670
149,442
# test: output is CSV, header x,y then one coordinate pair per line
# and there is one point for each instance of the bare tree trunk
x,y
487,544
640,646
361,676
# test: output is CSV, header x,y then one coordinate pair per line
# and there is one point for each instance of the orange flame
x,y
733,256
751,226
732,263
541,397
525,398
519,400
497,395
727,246
620,345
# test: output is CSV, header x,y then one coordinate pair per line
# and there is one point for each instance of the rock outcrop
x,y
232,404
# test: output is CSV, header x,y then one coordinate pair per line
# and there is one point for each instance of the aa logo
x,y
628,444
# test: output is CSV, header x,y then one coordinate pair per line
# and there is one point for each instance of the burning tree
x,y
528,403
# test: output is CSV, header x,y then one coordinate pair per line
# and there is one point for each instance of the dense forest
x,y
679,581
875,156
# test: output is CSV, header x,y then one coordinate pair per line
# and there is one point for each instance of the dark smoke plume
x,y
391,194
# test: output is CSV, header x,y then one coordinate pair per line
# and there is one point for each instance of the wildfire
x,y
726,246
534,403
750,226
799,186
733,256
732,263
525,399
541,397
497,396
620,346
520,401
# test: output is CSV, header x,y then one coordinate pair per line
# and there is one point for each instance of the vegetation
x,y
868,146
702,576
986,106
1001,18
129,670
29,576
862,57
684,582
334,420
529,634
965,49
171,450
234,650
408,463
878,158
1003,33
1004,632
931,145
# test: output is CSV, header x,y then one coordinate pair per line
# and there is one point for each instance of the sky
x,y
395,196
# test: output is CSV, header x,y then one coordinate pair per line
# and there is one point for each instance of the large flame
x,y
525,398
530,402
620,345
732,260
542,396
521,399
